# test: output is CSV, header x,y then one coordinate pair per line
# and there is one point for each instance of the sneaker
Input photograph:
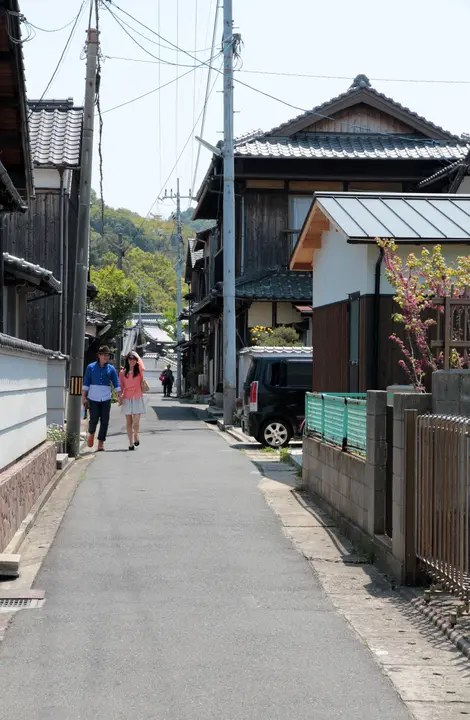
x,y
100,446
131,447
136,443
91,440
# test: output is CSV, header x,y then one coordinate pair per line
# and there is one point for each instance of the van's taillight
x,y
254,396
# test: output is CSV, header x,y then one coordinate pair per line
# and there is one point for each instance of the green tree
x,y
282,336
117,296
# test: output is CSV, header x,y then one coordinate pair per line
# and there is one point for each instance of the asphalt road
x,y
172,594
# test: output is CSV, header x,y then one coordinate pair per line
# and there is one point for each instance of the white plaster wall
x,y
260,313
450,253
464,187
46,179
287,314
23,403
339,269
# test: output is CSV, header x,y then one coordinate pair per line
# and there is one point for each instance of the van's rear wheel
x,y
275,433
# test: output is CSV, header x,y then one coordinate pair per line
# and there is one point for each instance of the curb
x,y
460,642
23,530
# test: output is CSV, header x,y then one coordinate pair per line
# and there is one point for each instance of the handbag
x,y
144,385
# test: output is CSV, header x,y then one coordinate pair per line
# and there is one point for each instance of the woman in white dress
x,y
131,379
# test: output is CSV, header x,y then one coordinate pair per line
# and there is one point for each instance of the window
x,y
299,374
299,205
290,374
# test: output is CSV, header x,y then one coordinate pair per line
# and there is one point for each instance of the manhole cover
x,y
12,601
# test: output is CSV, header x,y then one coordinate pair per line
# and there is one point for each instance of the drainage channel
x,y
13,601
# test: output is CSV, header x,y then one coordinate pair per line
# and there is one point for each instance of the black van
x,y
274,397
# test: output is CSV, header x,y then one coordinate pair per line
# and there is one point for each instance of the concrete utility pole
x,y
81,267
229,326
179,296
121,250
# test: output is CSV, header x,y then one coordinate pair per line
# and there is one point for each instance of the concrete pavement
x,y
172,594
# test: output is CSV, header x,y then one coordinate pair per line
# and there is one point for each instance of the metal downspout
x,y
378,269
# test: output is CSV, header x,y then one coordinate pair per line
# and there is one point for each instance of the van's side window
x,y
277,374
299,374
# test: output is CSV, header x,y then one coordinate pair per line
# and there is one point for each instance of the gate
x,y
442,500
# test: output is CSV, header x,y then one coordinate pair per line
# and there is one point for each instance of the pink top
x,y
131,385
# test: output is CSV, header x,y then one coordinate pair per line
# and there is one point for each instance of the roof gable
x,y
330,116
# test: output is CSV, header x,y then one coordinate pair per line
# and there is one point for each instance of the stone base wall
x,y
21,484
337,477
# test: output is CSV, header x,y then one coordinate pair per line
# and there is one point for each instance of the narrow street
x,y
172,593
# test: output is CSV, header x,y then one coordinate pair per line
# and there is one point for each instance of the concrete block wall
x,y
376,460
21,484
337,477
451,392
422,402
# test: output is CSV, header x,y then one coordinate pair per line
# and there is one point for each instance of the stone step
x,y
9,565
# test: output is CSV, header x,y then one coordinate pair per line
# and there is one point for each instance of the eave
x,y
309,240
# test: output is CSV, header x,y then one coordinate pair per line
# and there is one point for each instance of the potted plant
x,y
56,433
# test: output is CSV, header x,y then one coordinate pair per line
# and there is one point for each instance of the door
x,y
288,381
354,330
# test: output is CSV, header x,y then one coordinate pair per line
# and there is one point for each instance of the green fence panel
x,y
338,418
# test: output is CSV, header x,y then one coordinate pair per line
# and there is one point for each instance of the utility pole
x,y
179,279
179,296
81,266
229,324
121,252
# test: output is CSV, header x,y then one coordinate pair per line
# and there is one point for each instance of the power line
x,y
48,30
160,173
154,90
277,99
62,55
350,77
176,84
174,166
194,83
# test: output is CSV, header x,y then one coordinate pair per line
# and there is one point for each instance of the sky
x,y
391,43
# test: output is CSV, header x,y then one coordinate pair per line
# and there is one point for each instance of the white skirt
x,y
134,406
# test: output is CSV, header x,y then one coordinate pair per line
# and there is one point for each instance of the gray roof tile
x,y
55,128
354,145
50,283
275,284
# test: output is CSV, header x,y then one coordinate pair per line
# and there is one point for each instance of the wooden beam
x,y
301,266
267,184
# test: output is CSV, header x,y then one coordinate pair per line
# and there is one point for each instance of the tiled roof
x,y
360,83
443,172
354,145
49,282
284,351
55,128
276,284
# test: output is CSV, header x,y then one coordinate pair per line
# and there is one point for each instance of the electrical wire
x,y
174,166
100,116
47,30
209,74
277,99
177,83
154,90
62,55
194,89
159,77
350,77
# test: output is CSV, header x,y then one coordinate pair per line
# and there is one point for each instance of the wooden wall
x,y
330,348
266,216
35,237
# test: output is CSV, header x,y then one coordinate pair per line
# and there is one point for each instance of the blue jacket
x,y
98,381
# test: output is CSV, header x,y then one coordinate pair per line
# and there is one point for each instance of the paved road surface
x,y
172,594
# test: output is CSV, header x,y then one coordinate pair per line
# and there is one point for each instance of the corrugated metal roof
x,y
412,217
55,128
15,263
353,146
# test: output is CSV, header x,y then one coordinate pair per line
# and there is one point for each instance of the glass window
x,y
299,374
298,209
277,374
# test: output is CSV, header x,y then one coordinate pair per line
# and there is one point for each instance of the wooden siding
x,y
35,237
266,217
361,118
330,348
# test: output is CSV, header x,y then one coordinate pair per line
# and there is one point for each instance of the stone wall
x,y
337,477
451,392
21,485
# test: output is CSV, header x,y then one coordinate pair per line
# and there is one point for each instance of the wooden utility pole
x,y
81,265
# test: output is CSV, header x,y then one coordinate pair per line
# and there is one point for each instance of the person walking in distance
x,y
131,380
96,395
168,380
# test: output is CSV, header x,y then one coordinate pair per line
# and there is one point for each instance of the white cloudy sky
x,y
403,40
